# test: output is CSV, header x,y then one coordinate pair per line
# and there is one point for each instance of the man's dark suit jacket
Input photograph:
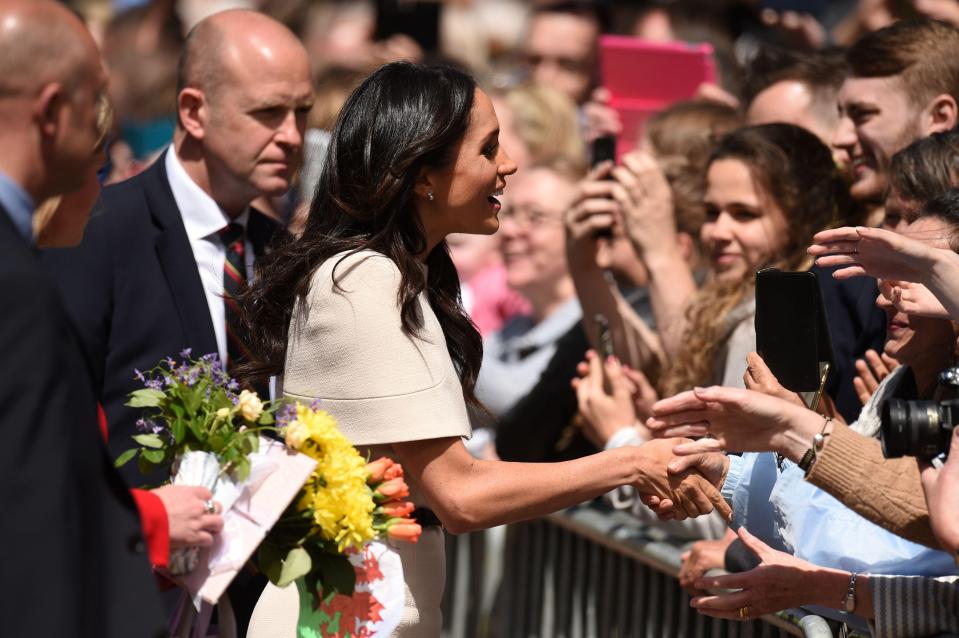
x,y
74,560
133,290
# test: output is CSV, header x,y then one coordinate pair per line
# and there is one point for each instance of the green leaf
x,y
124,458
146,398
179,430
296,565
154,456
149,440
337,573
191,400
266,418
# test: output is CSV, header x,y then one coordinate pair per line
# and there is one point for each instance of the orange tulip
x,y
378,469
392,490
405,529
398,509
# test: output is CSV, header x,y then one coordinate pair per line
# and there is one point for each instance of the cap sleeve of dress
x,y
348,349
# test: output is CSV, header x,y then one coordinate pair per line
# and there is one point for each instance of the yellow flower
x,y
341,501
250,405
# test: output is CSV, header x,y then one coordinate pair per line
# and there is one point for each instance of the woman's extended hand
x,y
942,496
872,251
781,581
738,420
913,299
191,523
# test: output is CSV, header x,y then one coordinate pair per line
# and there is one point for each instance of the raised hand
x,y
192,524
870,371
647,202
593,212
611,396
913,299
760,378
872,251
942,496
601,119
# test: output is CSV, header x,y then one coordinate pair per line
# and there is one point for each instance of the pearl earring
x,y
430,196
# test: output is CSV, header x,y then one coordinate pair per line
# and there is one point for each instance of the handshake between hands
x,y
676,487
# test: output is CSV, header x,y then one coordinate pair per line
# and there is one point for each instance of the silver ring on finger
x,y
210,506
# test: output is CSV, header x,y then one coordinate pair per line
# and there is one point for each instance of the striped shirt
x,y
908,606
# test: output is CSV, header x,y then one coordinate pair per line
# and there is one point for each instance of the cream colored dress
x,y
348,349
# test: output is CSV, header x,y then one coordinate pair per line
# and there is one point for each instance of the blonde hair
x,y
545,120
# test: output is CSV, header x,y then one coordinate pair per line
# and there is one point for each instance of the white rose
x,y
250,406
296,435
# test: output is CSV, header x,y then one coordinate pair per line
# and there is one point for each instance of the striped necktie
x,y
234,281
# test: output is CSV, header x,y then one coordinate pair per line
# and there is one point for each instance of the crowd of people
x,y
412,228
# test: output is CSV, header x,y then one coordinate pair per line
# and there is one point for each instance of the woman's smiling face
x,y
745,228
466,192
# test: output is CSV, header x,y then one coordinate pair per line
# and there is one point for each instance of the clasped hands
x,y
690,489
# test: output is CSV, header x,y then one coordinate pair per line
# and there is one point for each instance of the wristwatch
x,y
849,601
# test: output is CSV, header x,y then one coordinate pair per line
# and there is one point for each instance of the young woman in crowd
x,y
362,312
847,464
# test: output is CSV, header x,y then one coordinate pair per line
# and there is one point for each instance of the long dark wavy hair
x,y
402,119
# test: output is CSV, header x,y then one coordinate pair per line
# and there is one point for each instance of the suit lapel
x,y
177,261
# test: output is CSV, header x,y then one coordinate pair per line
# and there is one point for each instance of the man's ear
x,y
192,108
942,114
48,109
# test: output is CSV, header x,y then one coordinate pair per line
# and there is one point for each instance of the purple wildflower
x,y
170,363
139,375
185,353
285,414
154,384
233,385
149,426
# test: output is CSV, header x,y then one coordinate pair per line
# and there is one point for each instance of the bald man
x,y
150,277
74,563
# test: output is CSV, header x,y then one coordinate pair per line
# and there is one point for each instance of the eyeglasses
x,y
528,218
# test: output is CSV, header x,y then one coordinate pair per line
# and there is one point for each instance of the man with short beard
x,y
903,84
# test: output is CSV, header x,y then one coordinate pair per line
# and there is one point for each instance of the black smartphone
x,y
418,19
603,149
792,334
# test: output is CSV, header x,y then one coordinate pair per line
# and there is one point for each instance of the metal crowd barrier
x,y
587,572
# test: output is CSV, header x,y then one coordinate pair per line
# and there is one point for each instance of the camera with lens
x,y
921,428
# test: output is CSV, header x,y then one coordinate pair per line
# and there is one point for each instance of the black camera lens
x,y
917,428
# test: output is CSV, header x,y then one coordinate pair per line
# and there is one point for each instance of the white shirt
x,y
203,219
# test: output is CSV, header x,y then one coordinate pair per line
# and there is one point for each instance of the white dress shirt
x,y
203,220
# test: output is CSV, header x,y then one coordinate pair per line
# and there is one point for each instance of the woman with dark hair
x,y
362,312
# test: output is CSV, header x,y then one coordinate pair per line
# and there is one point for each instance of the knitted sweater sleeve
x,y
887,492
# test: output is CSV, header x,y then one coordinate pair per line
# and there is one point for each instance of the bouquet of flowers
x,y
322,541
203,429
196,407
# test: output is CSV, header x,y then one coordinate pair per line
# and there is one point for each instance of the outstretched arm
x,y
470,494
